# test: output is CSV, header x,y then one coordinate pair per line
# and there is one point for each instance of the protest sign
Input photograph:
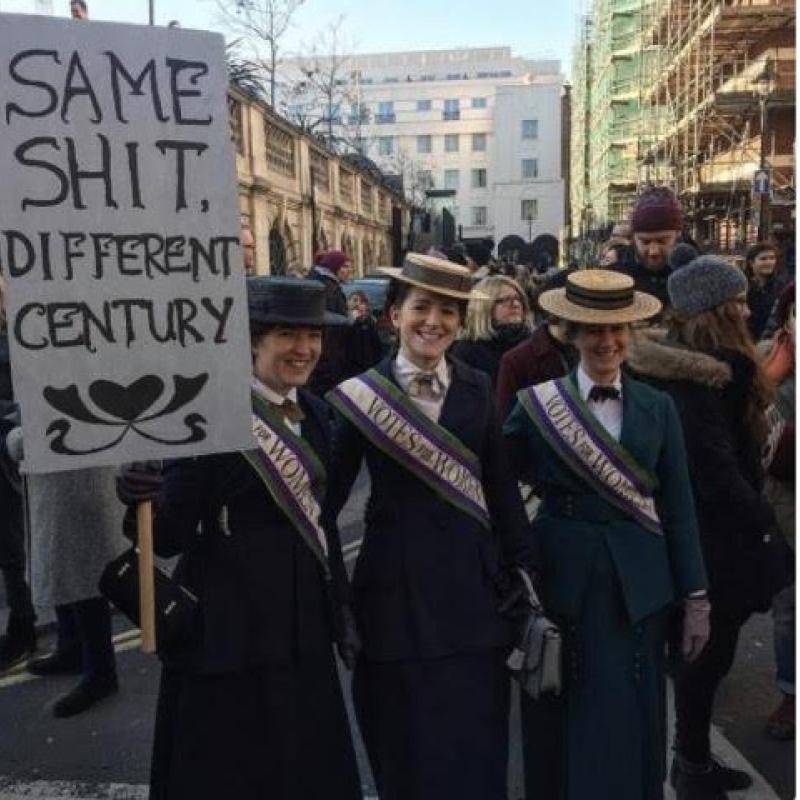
x,y
119,240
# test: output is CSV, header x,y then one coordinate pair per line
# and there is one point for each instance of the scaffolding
x,y
700,116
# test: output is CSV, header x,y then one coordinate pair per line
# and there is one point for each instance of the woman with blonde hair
x,y
498,318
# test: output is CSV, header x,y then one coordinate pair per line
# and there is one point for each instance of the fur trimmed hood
x,y
652,356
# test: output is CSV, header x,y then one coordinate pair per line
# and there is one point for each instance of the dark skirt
x,y
271,733
605,737
436,729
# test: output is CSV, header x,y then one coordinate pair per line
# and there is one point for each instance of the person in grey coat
x,y
75,522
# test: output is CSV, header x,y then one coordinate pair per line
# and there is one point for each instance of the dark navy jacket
x,y
264,598
427,578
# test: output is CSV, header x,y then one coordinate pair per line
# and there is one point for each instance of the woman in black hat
x,y
252,707
443,520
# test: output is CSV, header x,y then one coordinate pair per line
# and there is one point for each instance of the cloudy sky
x,y
532,28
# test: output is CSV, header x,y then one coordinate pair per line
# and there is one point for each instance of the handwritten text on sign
x,y
119,239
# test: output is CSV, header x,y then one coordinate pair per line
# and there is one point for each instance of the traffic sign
x,y
761,181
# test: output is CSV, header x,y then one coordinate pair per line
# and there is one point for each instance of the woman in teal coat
x,y
619,547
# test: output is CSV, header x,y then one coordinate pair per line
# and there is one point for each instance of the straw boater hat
x,y
437,275
599,297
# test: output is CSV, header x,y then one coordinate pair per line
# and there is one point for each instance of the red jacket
x,y
539,358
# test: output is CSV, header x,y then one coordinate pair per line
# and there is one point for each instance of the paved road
x,y
104,754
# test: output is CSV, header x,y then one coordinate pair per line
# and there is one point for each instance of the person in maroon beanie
x,y
656,220
542,356
332,268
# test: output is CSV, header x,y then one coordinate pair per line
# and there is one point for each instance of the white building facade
x,y
479,121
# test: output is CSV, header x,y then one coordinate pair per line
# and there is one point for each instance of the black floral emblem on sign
x,y
128,408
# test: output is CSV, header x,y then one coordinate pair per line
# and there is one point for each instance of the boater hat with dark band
x,y
599,297
289,301
437,275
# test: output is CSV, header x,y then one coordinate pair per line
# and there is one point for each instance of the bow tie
x,y
289,410
599,394
425,385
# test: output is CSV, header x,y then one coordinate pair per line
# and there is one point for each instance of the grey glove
x,y
14,448
696,626
139,482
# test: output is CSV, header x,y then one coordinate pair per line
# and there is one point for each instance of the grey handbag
x,y
536,660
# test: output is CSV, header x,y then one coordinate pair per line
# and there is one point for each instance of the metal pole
x,y
152,4
763,199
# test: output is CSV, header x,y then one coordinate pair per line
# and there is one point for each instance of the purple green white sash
x,y
567,424
292,473
386,416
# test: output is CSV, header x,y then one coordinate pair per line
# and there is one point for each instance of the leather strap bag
x,y
176,606
536,660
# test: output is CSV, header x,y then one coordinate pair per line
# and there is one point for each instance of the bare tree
x,y
262,24
414,177
322,85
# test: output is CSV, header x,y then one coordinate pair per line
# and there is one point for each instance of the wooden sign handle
x,y
147,607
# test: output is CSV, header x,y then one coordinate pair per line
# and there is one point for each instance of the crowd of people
x,y
621,439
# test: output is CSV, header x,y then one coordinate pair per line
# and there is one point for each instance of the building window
x,y
359,114
385,112
424,144
451,179
478,142
320,170
530,169
479,179
452,110
425,178
346,191
530,209
280,149
236,123
385,145
423,105
479,102
367,203
451,143
530,129
479,215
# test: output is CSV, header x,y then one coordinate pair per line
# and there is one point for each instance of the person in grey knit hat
x,y
709,366
703,284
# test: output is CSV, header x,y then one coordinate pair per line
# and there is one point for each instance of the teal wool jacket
x,y
574,522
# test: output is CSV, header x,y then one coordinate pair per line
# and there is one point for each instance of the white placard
x,y
119,240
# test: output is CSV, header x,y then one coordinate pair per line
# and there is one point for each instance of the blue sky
x,y
533,28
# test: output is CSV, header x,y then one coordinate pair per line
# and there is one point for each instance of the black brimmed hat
x,y
289,301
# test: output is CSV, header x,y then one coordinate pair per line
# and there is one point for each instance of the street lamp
x,y
763,87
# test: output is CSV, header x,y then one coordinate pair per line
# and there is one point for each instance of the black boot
x,y
710,780
87,693
59,662
18,643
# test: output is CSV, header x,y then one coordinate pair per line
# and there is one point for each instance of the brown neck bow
x,y
289,410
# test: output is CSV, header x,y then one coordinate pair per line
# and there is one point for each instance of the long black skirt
x,y
605,738
436,729
271,733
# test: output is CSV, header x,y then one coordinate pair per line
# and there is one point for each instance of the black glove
x,y
139,482
349,642
517,596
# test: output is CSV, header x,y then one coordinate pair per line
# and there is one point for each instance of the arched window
x,y
277,253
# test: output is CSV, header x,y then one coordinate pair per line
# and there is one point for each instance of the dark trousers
x,y
696,685
84,629
12,556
